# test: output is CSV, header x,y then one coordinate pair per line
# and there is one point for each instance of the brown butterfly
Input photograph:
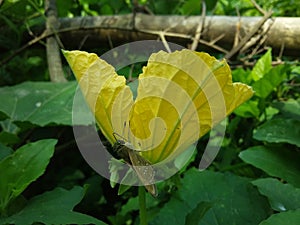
x,y
140,165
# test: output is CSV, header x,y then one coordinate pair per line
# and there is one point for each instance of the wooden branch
x,y
199,28
96,31
248,36
284,31
53,51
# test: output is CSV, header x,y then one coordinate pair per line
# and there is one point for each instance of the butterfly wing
x,y
144,171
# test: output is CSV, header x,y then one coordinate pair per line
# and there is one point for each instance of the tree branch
x,y
53,51
218,32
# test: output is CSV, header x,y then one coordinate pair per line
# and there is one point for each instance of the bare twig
x,y
110,42
238,27
28,44
258,40
199,27
130,73
248,36
83,41
164,41
261,10
212,42
185,36
281,51
45,34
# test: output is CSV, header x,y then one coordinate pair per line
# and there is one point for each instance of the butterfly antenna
x,y
115,134
128,130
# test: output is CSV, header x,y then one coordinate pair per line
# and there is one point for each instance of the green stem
x,y
142,204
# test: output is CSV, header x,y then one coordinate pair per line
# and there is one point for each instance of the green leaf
x,y
282,197
40,103
197,213
106,10
284,218
185,158
23,167
8,138
270,81
279,131
281,163
123,188
241,75
270,112
63,8
133,87
194,7
173,212
289,109
53,207
129,178
233,200
133,204
4,151
263,66
3,116
125,212
248,109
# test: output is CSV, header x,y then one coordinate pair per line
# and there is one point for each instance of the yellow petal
x,y
242,93
105,92
181,95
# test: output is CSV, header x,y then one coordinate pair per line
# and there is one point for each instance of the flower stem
x,y
142,205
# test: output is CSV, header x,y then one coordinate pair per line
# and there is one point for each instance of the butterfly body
x,y
140,165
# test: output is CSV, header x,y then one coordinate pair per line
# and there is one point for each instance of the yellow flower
x,y
180,97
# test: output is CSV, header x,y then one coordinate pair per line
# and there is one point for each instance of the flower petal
x,y
105,92
181,95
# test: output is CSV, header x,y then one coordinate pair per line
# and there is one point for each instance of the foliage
x,y
44,179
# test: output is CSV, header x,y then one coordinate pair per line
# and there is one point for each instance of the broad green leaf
x,y
195,216
23,167
185,158
233,200
63,8
4,151
296,70
263,66
106,10
173,212
241,75
289,109
133,204
53,207
270,81
248,109
9,127
279,131
283,218
270,112
39,103
194,7
282,197
8,138
3,116
281,163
